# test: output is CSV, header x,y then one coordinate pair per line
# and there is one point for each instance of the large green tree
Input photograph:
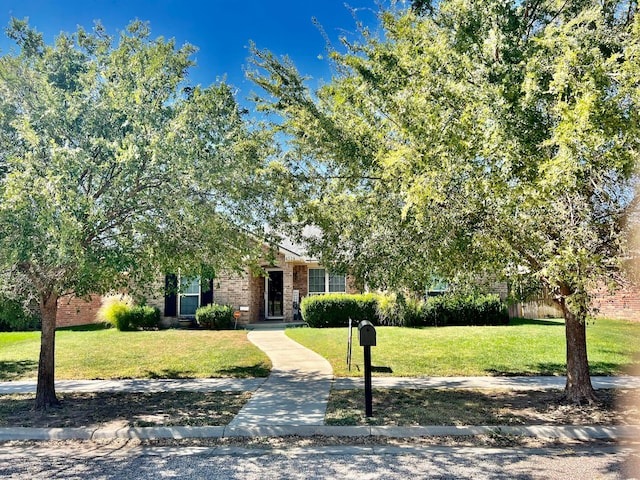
x,y
471,139
115,170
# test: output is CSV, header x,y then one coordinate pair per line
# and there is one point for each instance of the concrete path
x,y
296,392
141,385
353,383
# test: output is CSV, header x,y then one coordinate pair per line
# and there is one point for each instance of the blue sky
x,y
220,29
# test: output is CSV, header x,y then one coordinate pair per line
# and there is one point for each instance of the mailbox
x,y
367,334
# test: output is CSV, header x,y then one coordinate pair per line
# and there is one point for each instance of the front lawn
x,y
525,347
108,354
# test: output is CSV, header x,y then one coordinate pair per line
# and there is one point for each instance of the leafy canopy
x,y
114,168
469,138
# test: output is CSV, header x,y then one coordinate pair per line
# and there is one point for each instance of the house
x,y
290,276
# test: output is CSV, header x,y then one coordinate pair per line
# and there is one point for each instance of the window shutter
x,y
206,292
170,295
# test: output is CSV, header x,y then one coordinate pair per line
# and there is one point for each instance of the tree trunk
x,y
578,388
45,390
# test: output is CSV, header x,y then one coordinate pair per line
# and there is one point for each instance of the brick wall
x,y
623,303
235,290
351,285
301,280
74,311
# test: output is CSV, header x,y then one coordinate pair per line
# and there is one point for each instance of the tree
x,y
114,170
472,139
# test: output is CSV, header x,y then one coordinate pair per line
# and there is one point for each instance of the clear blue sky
x,y
220,29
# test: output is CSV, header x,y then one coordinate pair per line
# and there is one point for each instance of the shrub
x,y
112,307
399,310
387,310
411,311
13,317
334,310
465,310
214,316
119,311
143,317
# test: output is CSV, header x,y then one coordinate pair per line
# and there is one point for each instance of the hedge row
x,y
334,310
464,310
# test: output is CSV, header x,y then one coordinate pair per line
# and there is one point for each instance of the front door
x,y
274,295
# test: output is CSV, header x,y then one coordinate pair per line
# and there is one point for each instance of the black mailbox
x,y
367,334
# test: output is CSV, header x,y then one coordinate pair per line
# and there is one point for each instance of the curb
x,y
542,431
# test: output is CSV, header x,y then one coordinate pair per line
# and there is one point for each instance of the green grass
x,y
525,347
108,354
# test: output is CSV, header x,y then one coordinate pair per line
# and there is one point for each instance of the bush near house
x,y
214,316
398,310
14,319
119,311
460,310
405,311
141,317
334,310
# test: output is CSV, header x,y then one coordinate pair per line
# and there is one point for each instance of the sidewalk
x,y
351,383
296,392
293,401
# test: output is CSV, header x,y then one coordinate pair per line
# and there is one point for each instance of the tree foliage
x,y
115,169
472,139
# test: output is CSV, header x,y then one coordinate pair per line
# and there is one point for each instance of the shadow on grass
x,y
14,370
257,370
168,373
607,368
381,369
544,369
515,322
560,369
250,371
85,328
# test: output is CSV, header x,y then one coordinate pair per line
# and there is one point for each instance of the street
x,y
121,461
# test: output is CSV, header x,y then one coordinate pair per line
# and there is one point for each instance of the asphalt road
x,y
362,463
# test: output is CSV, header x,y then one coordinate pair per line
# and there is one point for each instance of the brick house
x,y
291,276
274,298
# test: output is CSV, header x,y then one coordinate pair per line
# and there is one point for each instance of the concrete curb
x,y
618,432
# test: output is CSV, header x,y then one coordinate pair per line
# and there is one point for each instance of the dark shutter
x,y
170,295
206,292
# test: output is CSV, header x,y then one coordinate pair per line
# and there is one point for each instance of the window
x,y
189,296
316,281
437,287
321,281
337,283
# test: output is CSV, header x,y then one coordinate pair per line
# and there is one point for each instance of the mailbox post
x,y
367,337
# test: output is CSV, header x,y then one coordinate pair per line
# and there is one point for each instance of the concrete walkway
x,y
351,383
141,385
296,392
